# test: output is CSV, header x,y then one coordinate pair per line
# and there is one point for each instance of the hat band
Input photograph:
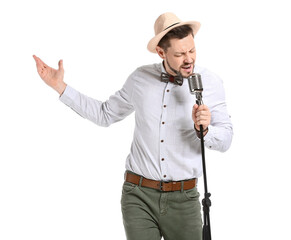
x,y
171,26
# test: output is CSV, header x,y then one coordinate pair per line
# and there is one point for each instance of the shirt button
x,y
163,122
165,106
165,176
168,90
163,159
162,140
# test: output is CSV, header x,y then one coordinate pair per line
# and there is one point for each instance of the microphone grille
x,y
195,83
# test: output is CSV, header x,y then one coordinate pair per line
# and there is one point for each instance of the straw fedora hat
x,y
165,23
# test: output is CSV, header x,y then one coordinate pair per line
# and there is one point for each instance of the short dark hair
x,y
178,32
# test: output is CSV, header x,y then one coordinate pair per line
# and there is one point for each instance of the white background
x,y
61,175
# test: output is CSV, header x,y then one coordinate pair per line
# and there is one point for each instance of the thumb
x,y
196,106
61,66
194,109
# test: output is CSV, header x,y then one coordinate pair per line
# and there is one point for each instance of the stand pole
x,y
206,203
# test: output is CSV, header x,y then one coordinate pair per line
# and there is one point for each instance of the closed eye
x,y
192,50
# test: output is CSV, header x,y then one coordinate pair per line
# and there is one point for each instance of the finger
x,y
194,109
201,118
198,113
202,113
61,66
198,109
203,123
39,64
35,58
203,107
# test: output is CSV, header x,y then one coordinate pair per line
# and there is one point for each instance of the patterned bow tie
x,y
165,77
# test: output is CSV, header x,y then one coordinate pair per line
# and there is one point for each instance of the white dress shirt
x,y
165,145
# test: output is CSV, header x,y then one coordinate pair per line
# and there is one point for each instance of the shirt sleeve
x,y
219,136
116,108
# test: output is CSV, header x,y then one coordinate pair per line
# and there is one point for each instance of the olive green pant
x,y
149,214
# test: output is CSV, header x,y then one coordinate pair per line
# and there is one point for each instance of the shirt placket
x,y
163,130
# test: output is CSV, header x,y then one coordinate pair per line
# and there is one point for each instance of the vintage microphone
x,y
195,87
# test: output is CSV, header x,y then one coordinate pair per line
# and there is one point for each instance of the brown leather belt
x,y
160,185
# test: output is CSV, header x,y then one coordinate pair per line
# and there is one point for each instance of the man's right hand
x,y
52,77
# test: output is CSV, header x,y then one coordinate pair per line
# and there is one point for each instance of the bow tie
x,y
165,77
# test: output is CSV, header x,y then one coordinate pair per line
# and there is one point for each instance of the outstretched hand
x,y
52,77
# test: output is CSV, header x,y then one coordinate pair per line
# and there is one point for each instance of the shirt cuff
x,y
209,136
68,95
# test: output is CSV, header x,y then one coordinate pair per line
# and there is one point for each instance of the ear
x,y
161,52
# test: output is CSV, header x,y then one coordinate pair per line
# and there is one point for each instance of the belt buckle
x,y
162,189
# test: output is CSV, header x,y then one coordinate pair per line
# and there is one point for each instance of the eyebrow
x,y
184,52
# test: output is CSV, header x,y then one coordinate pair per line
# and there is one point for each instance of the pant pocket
x,y
192,194
127,188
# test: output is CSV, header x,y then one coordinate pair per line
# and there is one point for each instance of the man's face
x,y
180,56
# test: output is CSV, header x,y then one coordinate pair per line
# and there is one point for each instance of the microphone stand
x,y
206,202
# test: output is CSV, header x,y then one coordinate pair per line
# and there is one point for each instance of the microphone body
x,y
195,87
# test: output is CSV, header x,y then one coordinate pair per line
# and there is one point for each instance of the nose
x,y
187,58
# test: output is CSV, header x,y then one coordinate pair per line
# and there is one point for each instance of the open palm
x,y
52,77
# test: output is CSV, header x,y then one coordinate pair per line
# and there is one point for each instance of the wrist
x,y
60,88
197,128
198,132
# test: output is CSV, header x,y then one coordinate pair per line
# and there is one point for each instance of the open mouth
x,y
187,68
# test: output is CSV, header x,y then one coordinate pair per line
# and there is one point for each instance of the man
x,y
160,196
